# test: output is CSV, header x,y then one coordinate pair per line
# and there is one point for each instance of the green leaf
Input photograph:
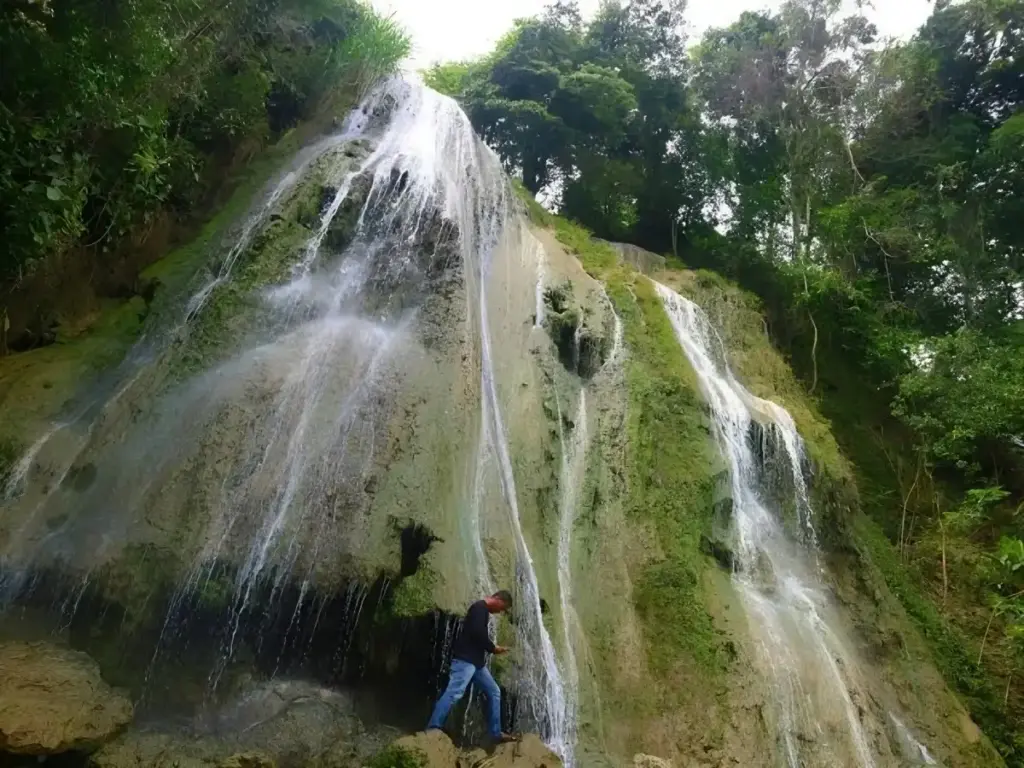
x,y
52,193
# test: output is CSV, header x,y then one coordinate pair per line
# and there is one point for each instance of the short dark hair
x,y
505,596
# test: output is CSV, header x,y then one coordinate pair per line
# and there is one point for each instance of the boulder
x,y
434,748
293,720
527,752
53,700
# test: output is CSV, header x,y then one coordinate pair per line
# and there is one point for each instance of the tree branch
x,y
885,255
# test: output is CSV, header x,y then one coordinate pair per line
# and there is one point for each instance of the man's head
x,y
499,602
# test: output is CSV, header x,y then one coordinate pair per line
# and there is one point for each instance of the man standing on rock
x,y
469,664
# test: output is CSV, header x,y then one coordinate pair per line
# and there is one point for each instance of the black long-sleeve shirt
x,y
473,641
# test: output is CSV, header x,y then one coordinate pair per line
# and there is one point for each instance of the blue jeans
x,y
463,673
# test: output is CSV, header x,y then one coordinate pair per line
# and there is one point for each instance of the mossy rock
x,y
577,329
10,452
397,757
414,595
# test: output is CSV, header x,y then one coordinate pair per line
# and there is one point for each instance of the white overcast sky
x,y
446,30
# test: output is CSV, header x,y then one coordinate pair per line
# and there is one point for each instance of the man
x,y
469,664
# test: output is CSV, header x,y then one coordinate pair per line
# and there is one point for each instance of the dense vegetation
x,y
117,115
870,192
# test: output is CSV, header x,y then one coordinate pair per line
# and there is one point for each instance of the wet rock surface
x,y
53,700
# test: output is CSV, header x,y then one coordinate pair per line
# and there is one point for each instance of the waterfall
x,y
264,462
813,672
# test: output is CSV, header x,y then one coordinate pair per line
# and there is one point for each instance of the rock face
x,y
53,700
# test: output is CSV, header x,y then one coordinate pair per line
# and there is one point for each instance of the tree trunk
x,y
531,174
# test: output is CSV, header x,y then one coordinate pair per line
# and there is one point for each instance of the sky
x,y
447,30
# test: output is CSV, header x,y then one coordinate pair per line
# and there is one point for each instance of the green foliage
x,y
598,111
967,395
951,648
1011,554
109,115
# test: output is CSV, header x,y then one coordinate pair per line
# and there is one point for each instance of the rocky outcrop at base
x,y
434,749
53,700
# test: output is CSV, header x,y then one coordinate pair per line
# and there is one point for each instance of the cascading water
x,y
574,458
814,675
280,446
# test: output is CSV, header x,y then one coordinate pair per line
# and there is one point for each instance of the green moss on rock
x,y
414,595
398,757
671,462
140,573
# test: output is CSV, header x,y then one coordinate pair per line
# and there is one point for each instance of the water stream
x,y
812,671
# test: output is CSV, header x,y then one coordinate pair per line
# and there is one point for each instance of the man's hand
x,y
499,650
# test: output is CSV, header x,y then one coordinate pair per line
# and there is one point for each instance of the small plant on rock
x,y
396,757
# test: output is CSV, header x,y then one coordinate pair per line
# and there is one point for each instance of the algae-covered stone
x,y
53,700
